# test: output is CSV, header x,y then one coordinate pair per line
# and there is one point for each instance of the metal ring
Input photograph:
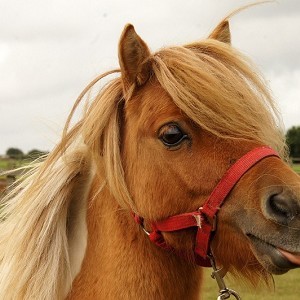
x,y
227,293
235,294
147,232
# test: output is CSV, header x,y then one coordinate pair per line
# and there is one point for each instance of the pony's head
x,y
159,137
188,113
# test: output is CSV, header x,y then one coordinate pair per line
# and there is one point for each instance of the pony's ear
x,y
222,33
133,55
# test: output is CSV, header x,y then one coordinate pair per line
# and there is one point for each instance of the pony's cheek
x,y
224,241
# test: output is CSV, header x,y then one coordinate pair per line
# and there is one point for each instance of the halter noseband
x,y
206,216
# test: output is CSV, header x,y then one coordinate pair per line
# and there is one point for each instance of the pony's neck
x,y
121,262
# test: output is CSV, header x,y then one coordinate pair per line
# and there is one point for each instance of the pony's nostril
x,y
282,209
278,207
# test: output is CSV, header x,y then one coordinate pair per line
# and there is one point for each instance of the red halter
x,y
205,217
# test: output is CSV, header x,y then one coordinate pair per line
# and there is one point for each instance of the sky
x,y
50,50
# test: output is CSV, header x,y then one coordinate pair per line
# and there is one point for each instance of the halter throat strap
x,y
204,219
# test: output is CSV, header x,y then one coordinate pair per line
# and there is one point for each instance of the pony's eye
x,y
171,135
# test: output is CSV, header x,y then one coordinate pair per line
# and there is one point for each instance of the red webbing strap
x,y
204,217
179,222
232,176
221,191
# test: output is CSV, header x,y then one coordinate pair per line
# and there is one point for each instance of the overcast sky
x,y
49,51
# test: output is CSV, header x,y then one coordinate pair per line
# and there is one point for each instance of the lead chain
x,y
218,274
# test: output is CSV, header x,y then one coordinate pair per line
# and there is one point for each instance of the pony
x,y
149,149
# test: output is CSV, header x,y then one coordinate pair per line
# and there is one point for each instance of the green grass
x,y
287,287
8,164
11,164
4,164
296,167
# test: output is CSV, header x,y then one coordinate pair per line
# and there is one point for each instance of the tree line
x,y
292,139
15,153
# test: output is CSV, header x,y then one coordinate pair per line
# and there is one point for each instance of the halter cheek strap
x,y
204,219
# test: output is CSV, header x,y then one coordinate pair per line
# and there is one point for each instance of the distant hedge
x,y
16,153
293,141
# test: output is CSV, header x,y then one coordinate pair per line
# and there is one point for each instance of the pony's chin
x,y
271,258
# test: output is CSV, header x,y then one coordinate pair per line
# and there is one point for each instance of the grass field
x,y
287,287
296,167
9,164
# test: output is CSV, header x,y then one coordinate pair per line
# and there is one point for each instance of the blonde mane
x,y
220,90
213,84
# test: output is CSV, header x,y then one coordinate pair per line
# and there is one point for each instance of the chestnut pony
x,y
150,148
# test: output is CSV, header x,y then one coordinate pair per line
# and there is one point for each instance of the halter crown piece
x,y
205,218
